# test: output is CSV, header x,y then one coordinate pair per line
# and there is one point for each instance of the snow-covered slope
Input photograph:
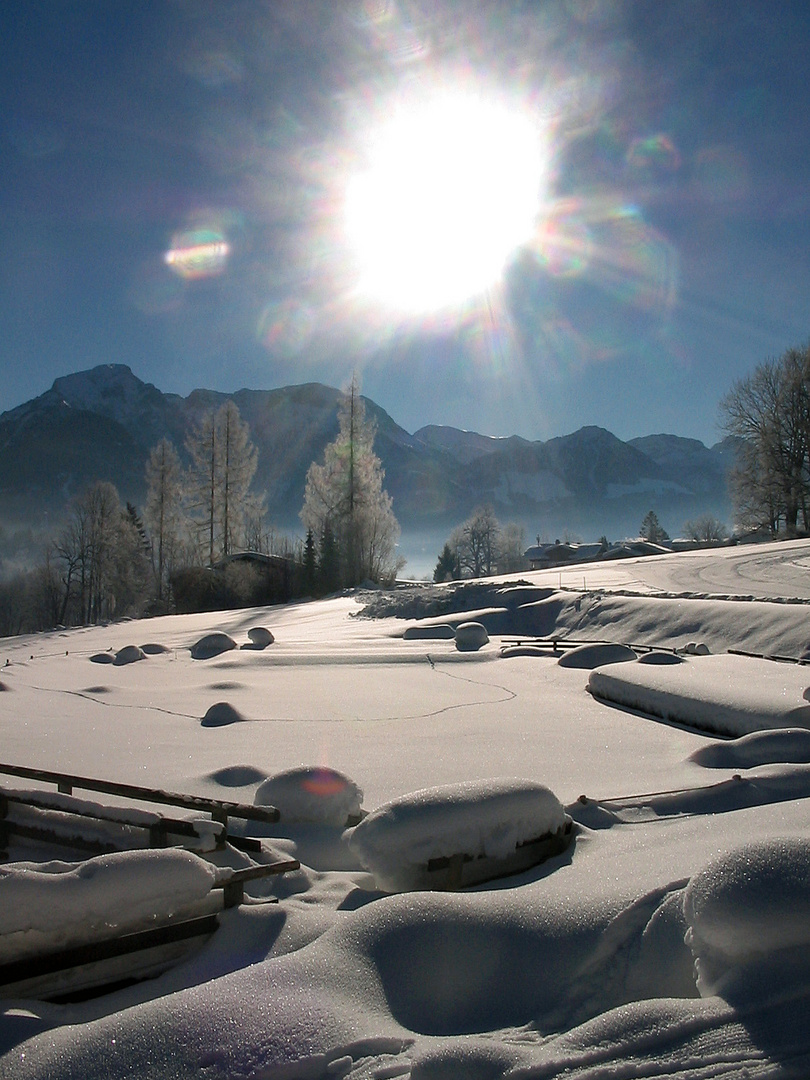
x,y
669,940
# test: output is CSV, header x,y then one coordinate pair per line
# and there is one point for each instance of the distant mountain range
x,y
101,424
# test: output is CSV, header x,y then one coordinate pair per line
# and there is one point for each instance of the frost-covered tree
x,y
223,464
346,494
769,413
706,529
477,542
163,512
100,558
511,548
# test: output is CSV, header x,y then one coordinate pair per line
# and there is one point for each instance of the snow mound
x,y
130,654
662,659
471,636
46,906
237,776
729,695
780,745
309,795
429,632
152,648
212,644
747,904
260,637
102,658
593,656
221,714
478,818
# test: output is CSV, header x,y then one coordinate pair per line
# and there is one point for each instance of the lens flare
x,y
198,253
286,327
657,153
563,244
324,782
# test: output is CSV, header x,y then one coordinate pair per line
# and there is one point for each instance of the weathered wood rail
x,y
218,809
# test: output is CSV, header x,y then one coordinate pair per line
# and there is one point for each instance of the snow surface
x,y
579,967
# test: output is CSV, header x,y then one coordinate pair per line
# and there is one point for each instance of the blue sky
x,y
173,176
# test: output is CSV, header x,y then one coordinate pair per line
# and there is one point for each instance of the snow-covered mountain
x,y
102,423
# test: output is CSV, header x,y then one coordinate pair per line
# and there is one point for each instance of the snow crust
x,y
396,841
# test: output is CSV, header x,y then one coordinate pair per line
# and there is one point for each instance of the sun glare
x,y
451,187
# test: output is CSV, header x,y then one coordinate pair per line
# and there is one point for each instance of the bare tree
x,y
223,464
99,559
163,512
769,412
477,542
706,529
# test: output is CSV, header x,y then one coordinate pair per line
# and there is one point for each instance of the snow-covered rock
x,y
759,748
130,654
212,644
592,656
471,636
220,714
260,637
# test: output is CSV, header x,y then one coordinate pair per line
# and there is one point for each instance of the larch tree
x,y
223,464
163,512
345,494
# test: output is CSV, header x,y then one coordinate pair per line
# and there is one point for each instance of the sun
x,y
451,185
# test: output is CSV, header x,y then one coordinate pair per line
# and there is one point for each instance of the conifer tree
x,y
346,493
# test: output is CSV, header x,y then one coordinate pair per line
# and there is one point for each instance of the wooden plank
x,y
158,826
233,886
218,809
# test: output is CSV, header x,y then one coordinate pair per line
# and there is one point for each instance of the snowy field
x,y
669,938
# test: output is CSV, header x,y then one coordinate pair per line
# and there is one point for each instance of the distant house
x,y
634,549
544,556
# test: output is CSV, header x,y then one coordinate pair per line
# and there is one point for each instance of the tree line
x,y
108,561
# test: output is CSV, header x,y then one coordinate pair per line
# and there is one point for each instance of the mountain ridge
x,y
101,424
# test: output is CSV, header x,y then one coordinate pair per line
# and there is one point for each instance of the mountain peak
x,y
112,390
